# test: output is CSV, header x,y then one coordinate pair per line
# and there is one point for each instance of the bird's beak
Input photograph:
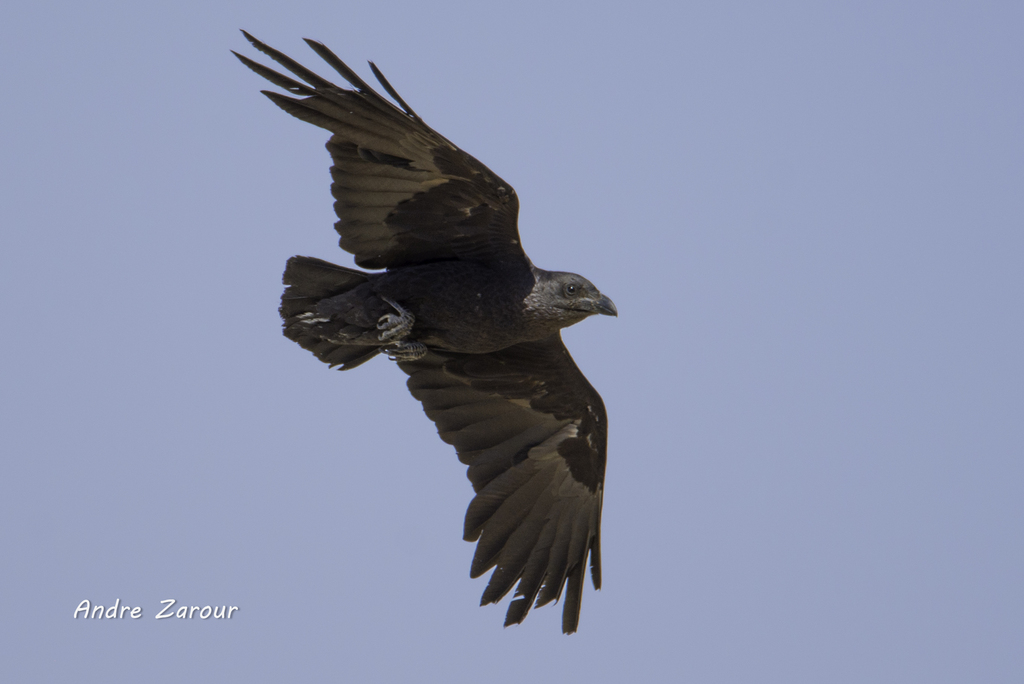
x,y
606,307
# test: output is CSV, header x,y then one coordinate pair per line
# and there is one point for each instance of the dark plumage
x,y
471,320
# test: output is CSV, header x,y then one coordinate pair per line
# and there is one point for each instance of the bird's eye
x,y
570,290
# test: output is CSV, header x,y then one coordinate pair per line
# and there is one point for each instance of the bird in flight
x,y
468,317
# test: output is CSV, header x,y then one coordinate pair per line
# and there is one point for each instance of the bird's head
x,y
567,298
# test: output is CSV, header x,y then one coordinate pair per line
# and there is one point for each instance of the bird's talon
x,y
394,327
406,351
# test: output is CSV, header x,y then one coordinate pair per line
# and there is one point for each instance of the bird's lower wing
x,y
533,432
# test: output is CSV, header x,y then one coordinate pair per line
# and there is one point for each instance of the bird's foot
x,y
406,351
394,327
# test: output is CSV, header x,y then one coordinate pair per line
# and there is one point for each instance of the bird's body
x,y
460,306
465,306
471,320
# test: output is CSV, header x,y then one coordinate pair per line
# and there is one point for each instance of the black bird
x,y
471,320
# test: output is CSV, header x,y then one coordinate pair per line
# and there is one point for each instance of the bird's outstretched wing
x,y
533,432
404,193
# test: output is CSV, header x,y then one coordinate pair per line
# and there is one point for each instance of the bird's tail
x,y
309,282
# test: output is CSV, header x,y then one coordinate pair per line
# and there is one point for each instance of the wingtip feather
x,y
573,599
338,65
392,92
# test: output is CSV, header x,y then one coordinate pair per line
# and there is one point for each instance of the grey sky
x,y
810,217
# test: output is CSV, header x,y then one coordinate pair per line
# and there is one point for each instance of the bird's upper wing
x,y
533,432
404,193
